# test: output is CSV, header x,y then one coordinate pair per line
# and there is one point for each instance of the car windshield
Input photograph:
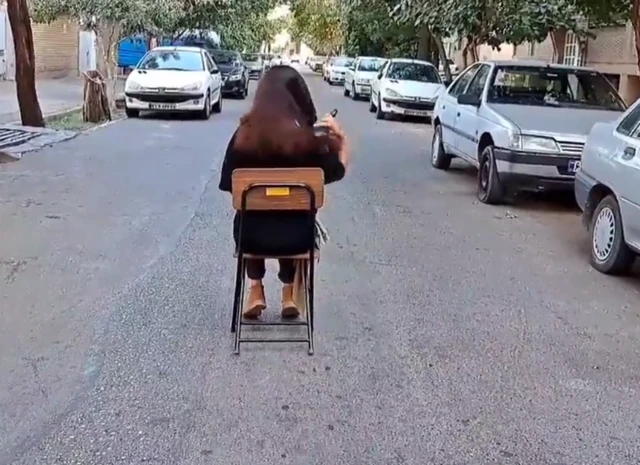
x,y
370,64
343,62
251,57
558,87
225,58
414,72
174,60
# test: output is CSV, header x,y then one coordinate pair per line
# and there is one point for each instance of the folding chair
x,y
290,189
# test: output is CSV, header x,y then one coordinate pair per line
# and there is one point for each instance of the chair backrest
x,y
277,188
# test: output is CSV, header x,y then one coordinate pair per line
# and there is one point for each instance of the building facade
x,y
56,46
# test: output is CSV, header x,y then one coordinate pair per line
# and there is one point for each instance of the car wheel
x,y
490,190
609,251
439,158
243,93
354,94
205,113
217,107
379,113
345,92
132,113
372,106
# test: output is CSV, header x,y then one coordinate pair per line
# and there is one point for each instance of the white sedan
x,y
175,79
406,87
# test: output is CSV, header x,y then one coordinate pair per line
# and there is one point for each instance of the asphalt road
x,y
448,332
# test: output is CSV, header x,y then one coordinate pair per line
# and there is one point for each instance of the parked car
x,y
522,124
360,75
276,61
295,59
405,87
266,59
255,64
607,190
325,67
336,69
235,74
175,79
316,63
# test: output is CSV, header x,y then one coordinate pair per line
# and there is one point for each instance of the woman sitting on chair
x,y
278,132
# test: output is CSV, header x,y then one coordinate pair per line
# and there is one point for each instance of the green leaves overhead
x,y
319,23
240,23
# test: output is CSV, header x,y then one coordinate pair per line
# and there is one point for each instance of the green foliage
x,y
242,24
318,23
371,30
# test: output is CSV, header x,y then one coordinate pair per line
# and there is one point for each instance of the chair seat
x,y
302,256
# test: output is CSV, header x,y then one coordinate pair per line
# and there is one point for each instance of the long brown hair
x,y
281,119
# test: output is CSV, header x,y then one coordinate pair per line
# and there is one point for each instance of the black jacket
x,y
278,232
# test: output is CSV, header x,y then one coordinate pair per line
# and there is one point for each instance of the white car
x,y
276,61
406,87
360,75
175,79
336,69
606,190
523,124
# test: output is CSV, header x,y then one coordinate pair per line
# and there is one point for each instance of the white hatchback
x,y
406,87
175,79
360,75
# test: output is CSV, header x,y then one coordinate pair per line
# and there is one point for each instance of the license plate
x,y
365,90
574,166
416,113
162,106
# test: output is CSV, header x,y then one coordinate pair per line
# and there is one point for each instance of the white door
x,y
466,125
448,103
349,75
627,160
87,51
3,45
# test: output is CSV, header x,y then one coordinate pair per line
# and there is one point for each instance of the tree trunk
x,y
424,43
443,58
108,37
30,111
558,39
96,104
635,22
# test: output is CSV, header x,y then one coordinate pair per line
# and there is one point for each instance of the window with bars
x,y
573,53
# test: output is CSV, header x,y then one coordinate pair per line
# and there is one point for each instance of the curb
x,y
51,116
62,114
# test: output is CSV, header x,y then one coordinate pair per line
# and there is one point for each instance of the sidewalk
x,y
55,95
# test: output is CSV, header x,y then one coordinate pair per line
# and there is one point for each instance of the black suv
x,y
235,74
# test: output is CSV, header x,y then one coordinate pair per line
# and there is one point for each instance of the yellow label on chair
x,y
277,191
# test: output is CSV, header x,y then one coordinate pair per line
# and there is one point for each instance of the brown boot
x,y
289,307
255,302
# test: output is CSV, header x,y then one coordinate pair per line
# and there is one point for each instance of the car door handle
x,y
458,114
628,153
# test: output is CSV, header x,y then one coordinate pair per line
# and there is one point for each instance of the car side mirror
x,y
447,82
380,75
352,68
469,99
215,71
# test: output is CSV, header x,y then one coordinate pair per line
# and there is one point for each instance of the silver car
x,y
522,124
607,190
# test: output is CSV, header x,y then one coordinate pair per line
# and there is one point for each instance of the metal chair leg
x,y
308,290
237,296
238,309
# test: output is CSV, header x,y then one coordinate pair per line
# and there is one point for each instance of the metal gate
x,y
3,45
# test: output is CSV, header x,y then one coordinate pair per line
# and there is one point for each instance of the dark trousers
x,y
256,270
